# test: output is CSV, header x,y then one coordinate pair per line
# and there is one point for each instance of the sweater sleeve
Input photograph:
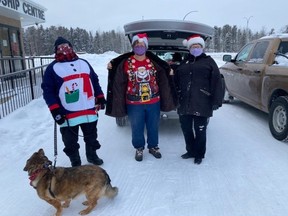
x,y
50,89
216,85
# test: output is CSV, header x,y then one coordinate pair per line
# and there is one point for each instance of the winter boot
x,y
75,159
139,154
92,156
187,155
155,152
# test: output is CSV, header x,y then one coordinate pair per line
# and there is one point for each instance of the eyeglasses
x,y
63,45
195,46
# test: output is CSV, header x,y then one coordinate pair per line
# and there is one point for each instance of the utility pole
x,y
247,27
247,21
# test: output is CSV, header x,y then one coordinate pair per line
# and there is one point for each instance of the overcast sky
x,y
112,14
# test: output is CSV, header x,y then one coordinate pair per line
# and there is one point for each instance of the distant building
x,y
14,15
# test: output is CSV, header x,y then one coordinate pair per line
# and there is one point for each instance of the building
x,y
14,15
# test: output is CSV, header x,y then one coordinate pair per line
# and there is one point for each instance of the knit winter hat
x,y
194,39
141,38
60,40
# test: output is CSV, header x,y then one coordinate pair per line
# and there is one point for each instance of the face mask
x,y
65,50
139,50
65,53
196,51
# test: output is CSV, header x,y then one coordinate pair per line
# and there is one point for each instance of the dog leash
x,y
55,144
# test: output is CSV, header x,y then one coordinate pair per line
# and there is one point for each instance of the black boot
x,y
75,159
187,155
92,156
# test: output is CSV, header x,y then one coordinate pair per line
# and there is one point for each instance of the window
x,y
259,51
244,53
15,43
10,45
4,39
283,47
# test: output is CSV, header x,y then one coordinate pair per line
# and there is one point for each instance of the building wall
x,y
10,22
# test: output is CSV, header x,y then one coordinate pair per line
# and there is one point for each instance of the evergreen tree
x,y
40,41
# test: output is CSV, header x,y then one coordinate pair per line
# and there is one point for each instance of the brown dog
x,y
57,185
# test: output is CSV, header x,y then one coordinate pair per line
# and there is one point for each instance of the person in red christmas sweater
x,y
140,85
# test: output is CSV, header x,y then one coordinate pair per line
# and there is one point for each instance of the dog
x,y
59,185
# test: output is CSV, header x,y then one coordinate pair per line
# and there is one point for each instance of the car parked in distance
x,y
165,39
258,76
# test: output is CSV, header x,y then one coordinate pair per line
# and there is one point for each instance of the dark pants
x,y
194,131
70,137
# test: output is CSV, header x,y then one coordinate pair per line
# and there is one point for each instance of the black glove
x,y
58,117
100,103
215,107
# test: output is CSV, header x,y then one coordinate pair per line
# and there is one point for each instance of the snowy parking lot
x,y
244,173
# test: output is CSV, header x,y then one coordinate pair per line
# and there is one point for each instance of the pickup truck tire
x,y
278,118
122,121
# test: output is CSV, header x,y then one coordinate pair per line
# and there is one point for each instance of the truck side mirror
x,y
227,58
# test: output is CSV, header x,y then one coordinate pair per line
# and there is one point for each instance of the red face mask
x,y
65,53
64,49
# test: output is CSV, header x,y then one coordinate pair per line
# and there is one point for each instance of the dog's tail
x,y
110,191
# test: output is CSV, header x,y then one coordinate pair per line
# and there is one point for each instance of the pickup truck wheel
x,y
122,121
278,118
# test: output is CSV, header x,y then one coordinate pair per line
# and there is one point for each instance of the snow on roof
x,y
278,35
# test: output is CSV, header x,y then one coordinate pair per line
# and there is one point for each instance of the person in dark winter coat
x,y
72,92
140,85
199,88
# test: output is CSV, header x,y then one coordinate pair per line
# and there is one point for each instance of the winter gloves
x,y
58,117
100,103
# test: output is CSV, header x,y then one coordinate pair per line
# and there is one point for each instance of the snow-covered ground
x,y
245,172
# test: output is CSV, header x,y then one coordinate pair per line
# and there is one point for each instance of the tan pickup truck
x,y
258,76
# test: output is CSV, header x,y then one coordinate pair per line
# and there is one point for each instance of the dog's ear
x,y
41,151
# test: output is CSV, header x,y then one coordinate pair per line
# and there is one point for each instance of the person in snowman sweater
x,y
74,96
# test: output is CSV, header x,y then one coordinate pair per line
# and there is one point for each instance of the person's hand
x,y
58,117
109,66
100,103
215,107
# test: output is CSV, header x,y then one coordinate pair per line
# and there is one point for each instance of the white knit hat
x,y
194,39
141,38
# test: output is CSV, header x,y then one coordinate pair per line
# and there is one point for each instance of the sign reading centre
x,y
23,7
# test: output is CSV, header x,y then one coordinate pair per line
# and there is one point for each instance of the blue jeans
x,y
144,115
